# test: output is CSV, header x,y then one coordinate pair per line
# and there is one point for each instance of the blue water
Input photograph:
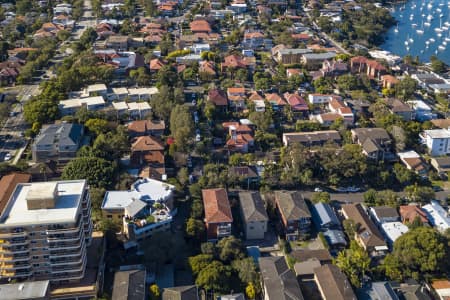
x,y
395,41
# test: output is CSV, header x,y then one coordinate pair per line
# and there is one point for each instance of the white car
x,y
8,156
198,138
318,190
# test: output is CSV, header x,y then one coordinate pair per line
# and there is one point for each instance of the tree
x,y
321,197
63,35
250,291
181,125
402,174
438,65
246,269
230,248
199,262
97,126
350,228
155,293
354,262
417,193
140,76
195,228
97,171
215,276
40,111
405,88
415,254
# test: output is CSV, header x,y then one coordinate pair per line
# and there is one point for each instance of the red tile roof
x,y
147,143
200,26
8,184
217,206
218,97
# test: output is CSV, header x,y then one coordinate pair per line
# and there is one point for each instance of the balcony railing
x,y
63,237
68,261
12,234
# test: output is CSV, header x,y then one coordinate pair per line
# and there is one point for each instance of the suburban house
x,y
148,151
254,215
337,106
118,42
156,64
414,162
409,213
375,142
392,231
207,68
333,284
422,111
146,127
58,142
377,290
294,213
218,98
368,235
236,97
200,26
185,292
248,175
143,210
241,137
321,98
130,284
401,109
324,216
437,215
437,141
253,39
234,62
218,218
384,214
297,104
441,165
313,138
389,81
278,281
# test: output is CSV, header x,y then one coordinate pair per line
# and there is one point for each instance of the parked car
x,y
8,156
198,137
318,190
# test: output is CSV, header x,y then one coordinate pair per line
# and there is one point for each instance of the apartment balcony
x,y
14,266
66,246
15,249
60,252
18,274
63,230
223,230
13,234
16,241
68,261
67,276
70,269
14,257
65,237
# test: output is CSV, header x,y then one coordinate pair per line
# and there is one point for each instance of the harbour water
x,y
423,30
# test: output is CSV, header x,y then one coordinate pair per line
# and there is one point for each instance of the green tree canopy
x,y
419,252
97,171
354,262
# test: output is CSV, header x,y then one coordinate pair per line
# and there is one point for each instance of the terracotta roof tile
x,y
217,206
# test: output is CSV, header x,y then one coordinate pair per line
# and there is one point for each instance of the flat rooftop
x,y
66,207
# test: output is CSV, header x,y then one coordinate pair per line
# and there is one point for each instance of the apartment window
x,y
35,265
251,227
109,216
35,257
46,256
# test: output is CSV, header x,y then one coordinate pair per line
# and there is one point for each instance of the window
x,y
109,216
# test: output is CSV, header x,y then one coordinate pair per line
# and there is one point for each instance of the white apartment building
x,y
437,141
45,228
